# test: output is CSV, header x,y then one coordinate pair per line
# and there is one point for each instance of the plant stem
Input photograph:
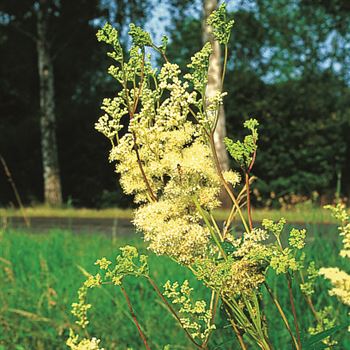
x,y
284,318
224,66
221,88
248,201
292,304
161,52
291,298
236,330
264,344
211,229
309,301
149,189
135,319
172,311
15,191
212,145
225,184
242,320
142,77
216,227
131,114
233,211
214,300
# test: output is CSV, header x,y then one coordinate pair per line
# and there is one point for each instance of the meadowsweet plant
x,y
161,125
340,279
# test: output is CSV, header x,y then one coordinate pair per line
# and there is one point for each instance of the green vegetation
x,y
255,283
46,211
298,214
288,68
39,276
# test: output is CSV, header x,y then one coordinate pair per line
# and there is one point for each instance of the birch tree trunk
x,y
214,84
51,173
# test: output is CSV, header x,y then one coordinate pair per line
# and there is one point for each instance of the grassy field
x,y
40,274
301,213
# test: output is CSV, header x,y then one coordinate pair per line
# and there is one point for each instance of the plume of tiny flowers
x,y
194,314
163,158
231,277
221,26
340,279
80,308
74,343
340,213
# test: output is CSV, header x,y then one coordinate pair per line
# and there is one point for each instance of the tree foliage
x,y
79,86
288,69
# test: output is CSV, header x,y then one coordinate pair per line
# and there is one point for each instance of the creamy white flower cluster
x,y
340,279
163,157
74,343
179,167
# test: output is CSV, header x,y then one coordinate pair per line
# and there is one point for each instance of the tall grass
x,y
40,274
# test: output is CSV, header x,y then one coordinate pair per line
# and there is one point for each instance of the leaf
x,y
317,338
228,247
30,315
84,272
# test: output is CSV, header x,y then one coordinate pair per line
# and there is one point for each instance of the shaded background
x,y
288,67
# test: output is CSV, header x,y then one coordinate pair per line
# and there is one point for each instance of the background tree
x,y
214,85
80,85
289,68
51,173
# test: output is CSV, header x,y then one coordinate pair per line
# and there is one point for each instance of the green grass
x,y
301,213
46,211
40,274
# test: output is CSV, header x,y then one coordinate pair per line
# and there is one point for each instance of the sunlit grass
x,y
45,211
298,214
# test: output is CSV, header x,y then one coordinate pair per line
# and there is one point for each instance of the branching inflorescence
x,y
160,126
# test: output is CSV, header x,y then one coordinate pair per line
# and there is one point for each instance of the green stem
x,y
221,87
235,329
224,66
211,229
216,227
172,311
161,52
225,184
241,318
283,315
214,300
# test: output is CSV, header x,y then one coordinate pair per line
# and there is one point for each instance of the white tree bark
x,y
214,82
51,173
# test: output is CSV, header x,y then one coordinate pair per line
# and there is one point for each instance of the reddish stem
x,y
291,299
172,311
249,206
131,114
135,319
